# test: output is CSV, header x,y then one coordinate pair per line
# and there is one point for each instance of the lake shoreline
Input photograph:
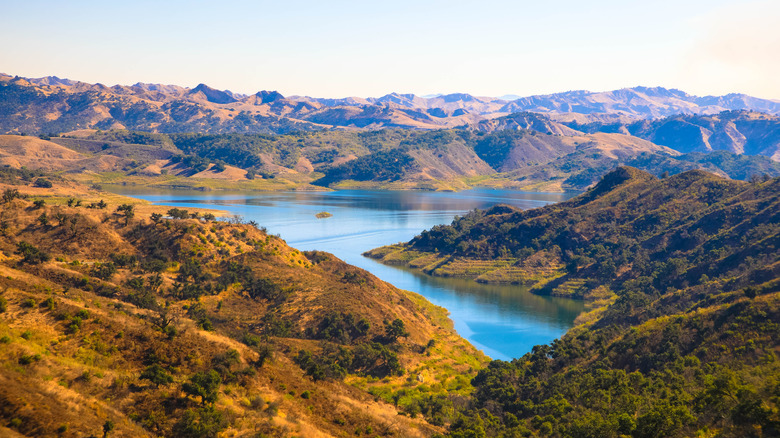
x,y
505,321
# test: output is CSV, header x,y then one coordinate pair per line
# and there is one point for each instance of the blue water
x,y
503,321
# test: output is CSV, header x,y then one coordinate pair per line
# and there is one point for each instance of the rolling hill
x,y
396,159
683,275
125,318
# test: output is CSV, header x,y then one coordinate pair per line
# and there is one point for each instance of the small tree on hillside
x,y
128,210
205,385
31,254
42,182
395,330
10,194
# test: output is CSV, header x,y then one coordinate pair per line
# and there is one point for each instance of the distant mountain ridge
x,y
740,132
53,104
644,102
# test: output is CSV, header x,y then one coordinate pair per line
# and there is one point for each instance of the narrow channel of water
x,y
503,321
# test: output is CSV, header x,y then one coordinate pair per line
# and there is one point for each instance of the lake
x,y
503,321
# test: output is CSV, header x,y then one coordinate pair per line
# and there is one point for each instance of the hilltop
x,y
683,279
136,320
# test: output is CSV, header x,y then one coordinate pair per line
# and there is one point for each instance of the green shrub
x,y
49,303
31,254
27,359
206,422
42,182
157,375
204,385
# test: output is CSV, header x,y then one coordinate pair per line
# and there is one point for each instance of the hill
x,y
390,159
740,132
127,319
683,274
421,160
513,239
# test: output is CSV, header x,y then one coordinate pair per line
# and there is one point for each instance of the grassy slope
x,y
76,344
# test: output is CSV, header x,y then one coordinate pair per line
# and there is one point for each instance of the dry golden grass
x,y
59,376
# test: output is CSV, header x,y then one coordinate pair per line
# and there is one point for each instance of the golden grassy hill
x,y
188,327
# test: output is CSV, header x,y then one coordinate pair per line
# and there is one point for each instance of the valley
x,y
614,253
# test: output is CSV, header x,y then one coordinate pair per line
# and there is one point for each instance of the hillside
x,y
683,275
385,159
524,121
130,320
740,132
628,209
598,154
421,160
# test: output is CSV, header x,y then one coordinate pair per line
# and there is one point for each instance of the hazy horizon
x,y
427,96
346,48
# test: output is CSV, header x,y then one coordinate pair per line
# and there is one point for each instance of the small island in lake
x,y
323,215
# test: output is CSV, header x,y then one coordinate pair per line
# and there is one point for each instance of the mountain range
x,y
566,141
51,104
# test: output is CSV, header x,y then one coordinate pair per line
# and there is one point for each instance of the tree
x,y
205,385
10,194
128,210
61,218
43,219
42,182
206,422
108,426
31,254
104,271
177,213
395,330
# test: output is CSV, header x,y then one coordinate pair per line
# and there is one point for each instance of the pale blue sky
x,y
364,48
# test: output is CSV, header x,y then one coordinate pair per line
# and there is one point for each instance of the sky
x,y
371,48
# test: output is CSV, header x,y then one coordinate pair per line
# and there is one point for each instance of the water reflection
x,y
503,321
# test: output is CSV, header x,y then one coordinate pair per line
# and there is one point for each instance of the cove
x,y
504,322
